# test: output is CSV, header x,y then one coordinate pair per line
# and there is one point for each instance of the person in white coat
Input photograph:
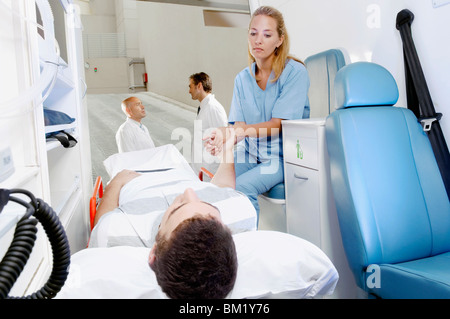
x,y
210,114
132,135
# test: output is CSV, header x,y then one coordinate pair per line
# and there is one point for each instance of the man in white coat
x,y
210,114
133,135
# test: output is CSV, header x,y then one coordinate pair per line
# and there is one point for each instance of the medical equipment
x,y
6,163
22,244
49,67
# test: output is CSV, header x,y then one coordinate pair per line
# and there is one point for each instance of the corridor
x,y
164,117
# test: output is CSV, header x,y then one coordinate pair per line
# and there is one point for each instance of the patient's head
x,y
194,255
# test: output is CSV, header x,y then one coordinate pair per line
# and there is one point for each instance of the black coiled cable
x,y
22,244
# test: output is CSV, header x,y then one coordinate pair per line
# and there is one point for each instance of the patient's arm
x,y
225,175
110,199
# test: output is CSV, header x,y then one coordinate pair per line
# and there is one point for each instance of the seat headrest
x,y
364,84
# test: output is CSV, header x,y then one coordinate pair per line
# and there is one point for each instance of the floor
x,y
165,120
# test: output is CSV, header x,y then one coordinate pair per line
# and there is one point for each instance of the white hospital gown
x,y
133,136
144,200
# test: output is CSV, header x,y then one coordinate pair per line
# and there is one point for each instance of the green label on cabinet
x,y
299,150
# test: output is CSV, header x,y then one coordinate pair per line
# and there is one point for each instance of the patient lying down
x,y
193,255
192,234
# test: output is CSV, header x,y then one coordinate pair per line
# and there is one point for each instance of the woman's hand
x,y
227,151
214,141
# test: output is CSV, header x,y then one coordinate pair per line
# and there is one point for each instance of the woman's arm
x,y
225,175
214,142
263,129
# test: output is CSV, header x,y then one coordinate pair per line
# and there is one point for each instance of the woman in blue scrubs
x,y
274,87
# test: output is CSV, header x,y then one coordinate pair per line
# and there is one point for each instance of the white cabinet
x,y
60,176
310,209
303,185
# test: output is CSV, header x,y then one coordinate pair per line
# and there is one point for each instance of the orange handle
x,y
96,195
204,170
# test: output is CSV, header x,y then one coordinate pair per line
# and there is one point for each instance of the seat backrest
x,y
322,68
390,198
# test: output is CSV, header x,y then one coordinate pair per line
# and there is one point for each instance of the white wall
x,y
176,44
112,73
366,29
108,18
101,18
111,76
126,22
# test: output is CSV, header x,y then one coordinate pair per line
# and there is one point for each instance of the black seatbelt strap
x,y
419,98
411,95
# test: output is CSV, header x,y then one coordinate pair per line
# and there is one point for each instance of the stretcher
x,y
294,268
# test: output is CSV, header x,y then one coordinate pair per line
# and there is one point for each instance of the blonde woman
x,y
273,87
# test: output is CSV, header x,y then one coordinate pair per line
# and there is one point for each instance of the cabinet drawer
x,y
302,203
300,145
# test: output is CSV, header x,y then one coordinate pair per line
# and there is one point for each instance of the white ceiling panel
x,y
240,5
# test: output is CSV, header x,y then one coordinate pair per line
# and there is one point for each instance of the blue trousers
x,y
254,177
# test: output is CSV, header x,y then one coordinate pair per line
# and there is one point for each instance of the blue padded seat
x,y
422,278
276,192
392,206
322,68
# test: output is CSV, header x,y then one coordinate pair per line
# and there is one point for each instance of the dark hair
x,y
198,261
204,79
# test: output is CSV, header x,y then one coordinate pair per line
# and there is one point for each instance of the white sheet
x,y
166,156
236,210
271,265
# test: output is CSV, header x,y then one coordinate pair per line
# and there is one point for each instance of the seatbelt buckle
x,y
427,122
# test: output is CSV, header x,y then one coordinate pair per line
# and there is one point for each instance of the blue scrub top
x,y
286,99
